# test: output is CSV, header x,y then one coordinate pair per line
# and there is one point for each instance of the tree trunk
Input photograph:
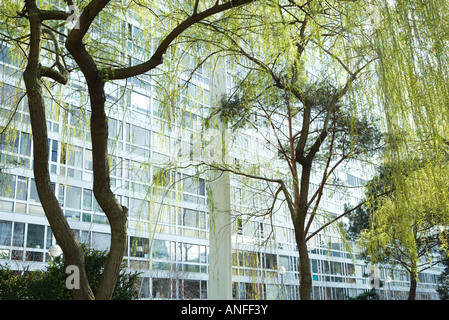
x,y
301,198
413,285
116,214
32,77
305,274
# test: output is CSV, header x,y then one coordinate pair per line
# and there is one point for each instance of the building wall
x,y
168,230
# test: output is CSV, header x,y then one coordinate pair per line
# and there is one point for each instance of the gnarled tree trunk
x,y
32,77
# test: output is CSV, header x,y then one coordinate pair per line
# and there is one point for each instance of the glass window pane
x,y
63,157
191,252
22,188
190,218
34,256
88,161
7,185
190,184
161,249
87,200
33,191
76,157
73,198
139,247
112,128
161,288
54,151
141,136
19,233
48,243
140,102
191,289
5,233
35,236
101,241
202,188
10,142
25,144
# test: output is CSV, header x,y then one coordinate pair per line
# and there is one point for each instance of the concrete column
x,y
220,248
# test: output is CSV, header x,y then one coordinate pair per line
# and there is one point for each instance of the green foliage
x,y
12,286
359,220
49,284
234,111
413,87
367,295
408,225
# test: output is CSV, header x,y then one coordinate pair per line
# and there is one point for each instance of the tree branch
x,y
53,15
60,76
157,57
344,214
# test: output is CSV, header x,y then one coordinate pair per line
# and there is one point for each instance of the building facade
x,y
169,210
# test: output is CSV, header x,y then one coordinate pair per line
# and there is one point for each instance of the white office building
x,y
169,213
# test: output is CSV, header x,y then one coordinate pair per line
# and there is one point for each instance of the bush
x,y
49,284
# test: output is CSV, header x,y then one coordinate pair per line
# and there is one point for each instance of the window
x,y
63,157
5,233
53,150
188,184
161,177
7,185
161,288
61,195
140,102
73,198
88,160
161,249
33,191
353,180
19,234
139,247
191,252
25,144
5,55
8,94
161,143
101,241
136,207
191,289
87,200
202,187
49,238
10,142
76,157
271,261
190,218
239,226
141,137
35,236
194,185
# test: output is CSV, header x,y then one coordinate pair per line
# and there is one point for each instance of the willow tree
x,y
412,69
51,55
413,78
299,86
408,227
413,95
